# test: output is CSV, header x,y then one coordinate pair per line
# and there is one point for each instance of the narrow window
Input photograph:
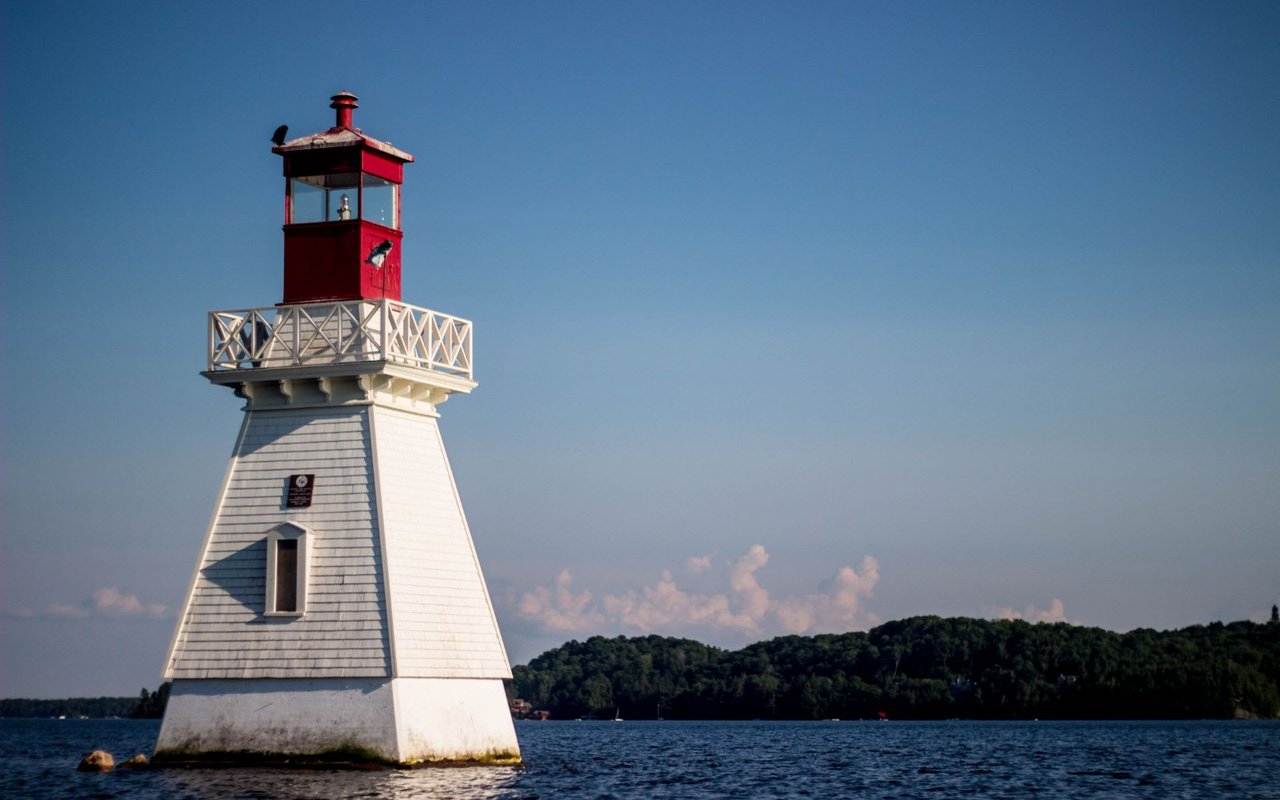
x,y
286,579
287,575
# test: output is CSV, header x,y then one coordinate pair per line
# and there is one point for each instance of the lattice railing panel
x,y
317,334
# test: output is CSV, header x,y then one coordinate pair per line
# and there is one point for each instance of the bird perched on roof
x,y
379,254
277,138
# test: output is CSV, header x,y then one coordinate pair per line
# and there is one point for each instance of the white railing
x,y
320,334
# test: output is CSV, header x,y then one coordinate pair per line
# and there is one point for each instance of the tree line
x,y
923,668
147,705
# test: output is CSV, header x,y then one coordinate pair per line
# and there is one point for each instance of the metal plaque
x,y
300,487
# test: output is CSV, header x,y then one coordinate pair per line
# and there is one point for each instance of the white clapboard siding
x,y
442,621
223,632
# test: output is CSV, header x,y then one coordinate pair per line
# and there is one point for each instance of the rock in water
x,y
137,762
97,761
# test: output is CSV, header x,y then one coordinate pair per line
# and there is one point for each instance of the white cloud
x,y
753,599
840,609
109,601
656,607
1057,612
743,609
558,608
61,611
698,564
105,602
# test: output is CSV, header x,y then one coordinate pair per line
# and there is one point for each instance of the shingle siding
x,y
443,624
343,633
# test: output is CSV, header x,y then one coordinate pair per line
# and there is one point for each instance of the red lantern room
x,y
342,213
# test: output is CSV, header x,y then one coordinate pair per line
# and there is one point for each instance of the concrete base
x,y
400,721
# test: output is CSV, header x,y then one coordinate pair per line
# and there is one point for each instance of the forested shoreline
x,y
920,668
147,705
916,668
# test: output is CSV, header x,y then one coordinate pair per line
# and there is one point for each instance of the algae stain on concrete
x,y
346,756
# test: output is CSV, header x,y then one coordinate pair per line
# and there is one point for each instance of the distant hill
x,y
917,668
147,705
924,668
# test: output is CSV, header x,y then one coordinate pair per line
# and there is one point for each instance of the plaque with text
x,y
300,487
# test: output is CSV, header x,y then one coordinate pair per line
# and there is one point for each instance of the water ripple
x,y
601,761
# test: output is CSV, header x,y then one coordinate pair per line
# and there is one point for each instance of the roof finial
x,y
344,102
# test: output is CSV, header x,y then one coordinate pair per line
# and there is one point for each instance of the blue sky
x,y
790,317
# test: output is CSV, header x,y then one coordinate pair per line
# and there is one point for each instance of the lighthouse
x,y
337,609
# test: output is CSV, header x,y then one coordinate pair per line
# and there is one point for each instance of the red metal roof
x,y
342,134
340,137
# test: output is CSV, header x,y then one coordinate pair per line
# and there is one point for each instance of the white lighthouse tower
x,y
337,609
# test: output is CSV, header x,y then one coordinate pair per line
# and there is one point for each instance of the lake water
x,y
714,760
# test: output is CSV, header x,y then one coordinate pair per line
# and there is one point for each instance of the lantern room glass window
x,y
381,201
324,198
